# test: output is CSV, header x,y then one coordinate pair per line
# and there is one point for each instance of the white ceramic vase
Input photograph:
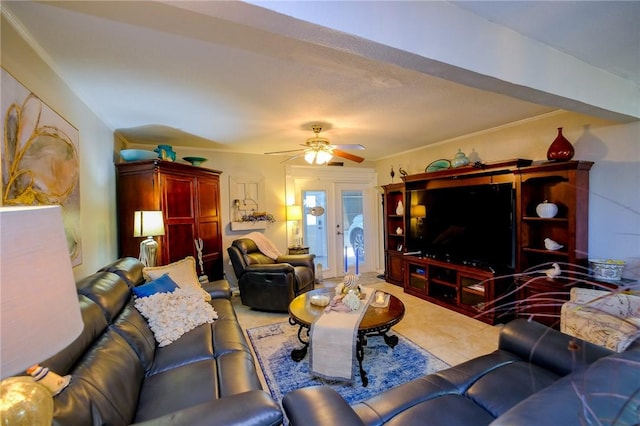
x,y
546,209
400,208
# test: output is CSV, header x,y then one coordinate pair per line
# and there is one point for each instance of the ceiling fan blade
x,y
351,147
292,157
284,152
342,154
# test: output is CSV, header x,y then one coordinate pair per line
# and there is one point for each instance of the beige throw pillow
x,y
183,272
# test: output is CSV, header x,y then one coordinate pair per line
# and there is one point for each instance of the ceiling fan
x,y
318,150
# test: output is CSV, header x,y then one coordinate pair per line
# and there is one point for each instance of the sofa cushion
x,y
236,373
133,327
94,325
195,345
449,410
107,290
177,388
164,284
170,315
105,385
604,393
183,272
502,388
127,268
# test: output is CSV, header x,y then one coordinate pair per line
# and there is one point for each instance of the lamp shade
x,y
294,213
148,224
40,314
419,210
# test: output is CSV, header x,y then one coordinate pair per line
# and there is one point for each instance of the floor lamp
x,y
40,314
148,224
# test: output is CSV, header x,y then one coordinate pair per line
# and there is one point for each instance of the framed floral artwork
x,y
40,161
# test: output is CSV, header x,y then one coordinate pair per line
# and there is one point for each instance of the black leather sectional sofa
x,y
121,376
537,376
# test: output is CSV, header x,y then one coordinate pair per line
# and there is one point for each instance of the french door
x,y
336,222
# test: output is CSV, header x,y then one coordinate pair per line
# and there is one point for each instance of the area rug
x,y
385,367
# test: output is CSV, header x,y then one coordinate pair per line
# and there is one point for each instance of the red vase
x,y
560,149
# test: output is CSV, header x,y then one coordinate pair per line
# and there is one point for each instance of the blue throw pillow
x,y
164,284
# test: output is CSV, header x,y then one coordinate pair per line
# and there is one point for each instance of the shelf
x,y
444,283
545,219
245,226
545,251
475,289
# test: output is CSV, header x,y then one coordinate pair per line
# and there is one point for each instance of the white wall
x,y
97,182
614,199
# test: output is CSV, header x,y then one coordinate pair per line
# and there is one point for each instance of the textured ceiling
x,y
236,76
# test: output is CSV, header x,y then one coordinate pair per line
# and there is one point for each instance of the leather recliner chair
x,y
267,284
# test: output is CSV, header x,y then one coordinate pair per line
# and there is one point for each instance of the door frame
x,y
331,180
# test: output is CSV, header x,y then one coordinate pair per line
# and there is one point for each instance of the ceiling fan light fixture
x,y
310,156
323,157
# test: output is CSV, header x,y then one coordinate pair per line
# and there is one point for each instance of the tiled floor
x,y
452,337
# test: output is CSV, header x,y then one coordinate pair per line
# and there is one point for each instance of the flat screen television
x,y
471,225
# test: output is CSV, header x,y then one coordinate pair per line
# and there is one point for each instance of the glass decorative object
x,y
560,149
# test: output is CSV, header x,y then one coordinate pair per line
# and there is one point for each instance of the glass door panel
x,y
353,255
314,224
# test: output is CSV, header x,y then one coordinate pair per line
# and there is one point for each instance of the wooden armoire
x,y
189,198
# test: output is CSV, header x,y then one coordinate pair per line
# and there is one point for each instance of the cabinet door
x,y
178,204
208,223
416,278
541,299
395,268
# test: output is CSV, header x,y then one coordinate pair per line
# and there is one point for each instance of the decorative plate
x,y
438,165
195,161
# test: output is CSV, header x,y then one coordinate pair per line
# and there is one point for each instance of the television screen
x,y
470,225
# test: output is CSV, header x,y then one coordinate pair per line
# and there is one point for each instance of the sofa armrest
x,y
218,289
297,259
318,406
269,268
600,328
254,407
547,347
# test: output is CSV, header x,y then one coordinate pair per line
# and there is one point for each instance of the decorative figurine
x,y
553,272
552,245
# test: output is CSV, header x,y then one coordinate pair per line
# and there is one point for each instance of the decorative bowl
x,y
137,154
607,269
319,300
195,161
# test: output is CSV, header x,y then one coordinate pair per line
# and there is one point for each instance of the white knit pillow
x,y
170,315
183,272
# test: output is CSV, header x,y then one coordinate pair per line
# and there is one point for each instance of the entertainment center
x,y
466,231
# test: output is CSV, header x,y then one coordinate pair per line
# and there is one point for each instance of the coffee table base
x,y
298,354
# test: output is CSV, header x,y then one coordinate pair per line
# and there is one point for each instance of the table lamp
x,y
419,211
148,224
40,314
294,214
